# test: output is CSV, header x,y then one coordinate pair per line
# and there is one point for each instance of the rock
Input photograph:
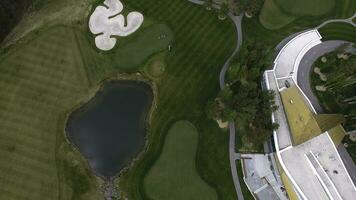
x,y
321,75
248,15
353,137
222,124
342,56
320,88
222,17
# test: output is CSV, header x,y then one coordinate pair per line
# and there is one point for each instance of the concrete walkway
x,y
237,21
232,154
347,20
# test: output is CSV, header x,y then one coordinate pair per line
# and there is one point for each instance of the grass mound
x,y
155,67
174,174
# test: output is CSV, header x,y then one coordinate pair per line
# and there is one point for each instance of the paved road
x,y
305,68
232,154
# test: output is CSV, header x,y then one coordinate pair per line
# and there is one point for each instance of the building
x,y
309,163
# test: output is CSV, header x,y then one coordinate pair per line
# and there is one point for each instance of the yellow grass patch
x,y
301,120
286,182
337,134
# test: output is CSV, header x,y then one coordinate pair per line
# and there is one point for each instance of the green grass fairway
x,y
338,31
174,175
39,82
272,17
306,7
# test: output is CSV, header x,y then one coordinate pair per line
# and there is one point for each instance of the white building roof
x,y
317,169
291,54
314,167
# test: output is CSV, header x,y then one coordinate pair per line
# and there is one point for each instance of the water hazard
x,y
110,129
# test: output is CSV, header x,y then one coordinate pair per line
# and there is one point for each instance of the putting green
x,y
130,55
174,174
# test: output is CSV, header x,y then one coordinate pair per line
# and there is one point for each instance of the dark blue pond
x,y
110,129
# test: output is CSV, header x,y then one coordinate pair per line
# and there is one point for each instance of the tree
x,y
243,99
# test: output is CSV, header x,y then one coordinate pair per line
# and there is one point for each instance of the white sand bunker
x,y
106,22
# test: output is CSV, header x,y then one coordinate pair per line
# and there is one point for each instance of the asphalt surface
x,y
348,162
305,68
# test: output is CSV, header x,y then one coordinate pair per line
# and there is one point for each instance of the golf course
x,y
49,71
56,59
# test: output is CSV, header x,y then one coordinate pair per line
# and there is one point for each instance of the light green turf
x,y
271,17
174,174
306,7
39,82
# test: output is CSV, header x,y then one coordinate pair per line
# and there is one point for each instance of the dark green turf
x,y
338,31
